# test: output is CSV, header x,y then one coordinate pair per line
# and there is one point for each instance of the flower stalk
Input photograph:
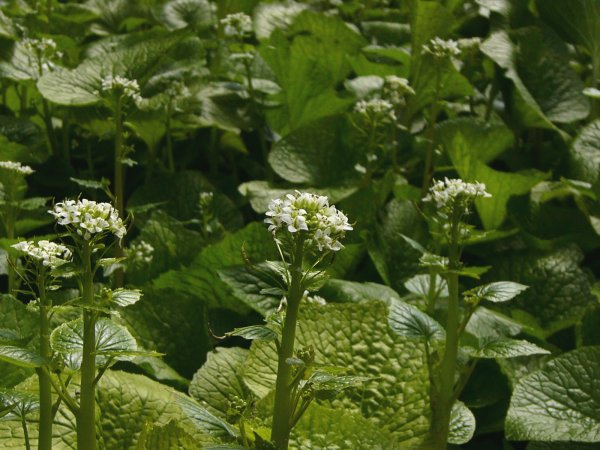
x,y
45,385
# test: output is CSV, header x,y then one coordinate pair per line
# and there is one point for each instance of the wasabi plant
x,y
42,259
305,229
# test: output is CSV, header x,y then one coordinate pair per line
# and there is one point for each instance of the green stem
x,y
46,415
282,413
25,432
170,157
9,224
86,420
50,132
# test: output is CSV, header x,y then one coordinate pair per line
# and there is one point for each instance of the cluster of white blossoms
x,y
376,108
303,212
50,254
125,86
395,88
441,48
449,193
16,167
41,46
141,252
237,25
88,218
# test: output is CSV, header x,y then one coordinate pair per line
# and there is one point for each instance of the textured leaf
x,y
462,424
196,14
584,161
493,347
201,279
125,297
560,402
354,292
316,154
20,356
167,321
356,336
559,289
409,321
220,379
497,292
204,420
112,341
166,437
502,185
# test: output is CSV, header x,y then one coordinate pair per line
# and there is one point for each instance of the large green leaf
x,y
317,154
546,89
81,86
219,380
502,185
560,402
559,289
20,356
356,336
577,21
308,63
113,341
166,437
201,279
584,161
168,321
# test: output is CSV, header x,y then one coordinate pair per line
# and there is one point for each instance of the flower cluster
x,y
395,88
237,25
449,193
88,218
40,46
141,252
50,254
123,86
324,226
16,167
441,48
375,109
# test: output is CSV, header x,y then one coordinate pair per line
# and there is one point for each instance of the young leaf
x,y
462,424
500,291
125,297
497,347
559,402
409,321
254,332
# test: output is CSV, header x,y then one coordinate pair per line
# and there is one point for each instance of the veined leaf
x,y
409,321
462,424
500,291
125,297
20,356
494,347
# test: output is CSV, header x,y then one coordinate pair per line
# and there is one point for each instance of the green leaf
x,y
489,323
269,17
166,437
577,21
354,292
201,280
219,380
502,185
323,428
204,420
560,402
356,336
584,154
419,285
409,321
462,424
497,292
167,321
317,154
494,347
308,63
195,14
20,356
547,90
113,341
125,297
81,86
254,332
559,289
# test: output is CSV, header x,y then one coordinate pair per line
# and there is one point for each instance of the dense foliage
x,y
424,309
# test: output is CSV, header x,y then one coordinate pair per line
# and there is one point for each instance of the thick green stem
x,y
45,384
86,419
282,413
444,394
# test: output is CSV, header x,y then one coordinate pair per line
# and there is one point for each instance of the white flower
x,y
441,48
88,218
141,252
395,88
40,45
376,108
125,86
237,25
449,192
323,224
50,254
16,167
